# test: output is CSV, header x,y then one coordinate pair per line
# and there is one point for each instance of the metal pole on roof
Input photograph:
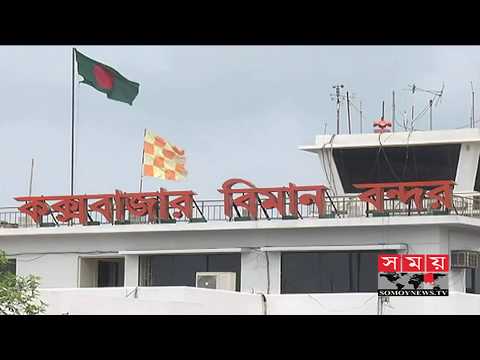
x,y
348,114
473,106
361,118
431,118
31,177
393,111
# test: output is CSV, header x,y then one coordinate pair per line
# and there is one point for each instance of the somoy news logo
x,y
413,275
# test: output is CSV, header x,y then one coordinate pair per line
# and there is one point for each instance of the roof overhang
x,y
437,137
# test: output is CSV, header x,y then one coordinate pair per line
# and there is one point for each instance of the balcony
x,y
338,207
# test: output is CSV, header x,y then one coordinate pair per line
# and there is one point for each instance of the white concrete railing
x,y
190,300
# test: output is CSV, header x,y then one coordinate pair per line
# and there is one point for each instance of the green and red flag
x,y
106,79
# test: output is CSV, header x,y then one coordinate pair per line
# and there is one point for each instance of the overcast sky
x,y
238,111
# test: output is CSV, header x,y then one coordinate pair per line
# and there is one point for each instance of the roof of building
x,y
454,136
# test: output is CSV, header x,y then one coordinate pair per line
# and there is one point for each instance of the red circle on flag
x,y
103,77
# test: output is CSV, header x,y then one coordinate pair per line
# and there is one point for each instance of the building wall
x,y
459,239
254,272
184,300
467,167
61,269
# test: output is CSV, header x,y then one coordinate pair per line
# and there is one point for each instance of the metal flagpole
x,y
31,177
143,159
73,118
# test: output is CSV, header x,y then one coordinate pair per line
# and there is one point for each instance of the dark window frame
x,y
474,275
318,272
206,262
396,164
117,265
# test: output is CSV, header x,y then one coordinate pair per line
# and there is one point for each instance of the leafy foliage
x,y
18,295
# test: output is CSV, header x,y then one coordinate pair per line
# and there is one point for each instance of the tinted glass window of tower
x,y
11,267
396,164
329,272
180,270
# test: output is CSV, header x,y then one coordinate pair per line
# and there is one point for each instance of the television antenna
x,y
340,99
436,93
437,96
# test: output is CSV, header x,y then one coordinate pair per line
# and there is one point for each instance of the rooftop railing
x,y
213,210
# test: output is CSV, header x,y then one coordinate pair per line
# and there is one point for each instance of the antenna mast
x,y
430,103
338,96
473,106
348,114
31,179
393,110
437,95
361,118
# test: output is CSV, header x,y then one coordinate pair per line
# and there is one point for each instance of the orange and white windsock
x,y
162,159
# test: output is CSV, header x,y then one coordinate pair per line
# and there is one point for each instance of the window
x,y
102,272
180,270
396,163
110,273
329,272
472,281
10,267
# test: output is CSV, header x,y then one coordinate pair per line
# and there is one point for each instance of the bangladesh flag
x,y
105,79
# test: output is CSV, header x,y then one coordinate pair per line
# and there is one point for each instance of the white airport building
x,y
319,262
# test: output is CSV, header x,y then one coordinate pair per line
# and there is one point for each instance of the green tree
x,y
18,295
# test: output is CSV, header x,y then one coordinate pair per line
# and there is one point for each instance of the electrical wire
x,y
329,179
386,159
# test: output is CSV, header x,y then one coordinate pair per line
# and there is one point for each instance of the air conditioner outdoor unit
x,y
216,280
465,259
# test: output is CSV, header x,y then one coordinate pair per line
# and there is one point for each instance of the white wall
x,y
149,301
61,270
131,270
53,270
467,167
254,272
185,300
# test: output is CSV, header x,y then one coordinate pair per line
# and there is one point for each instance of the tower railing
x,y
338,207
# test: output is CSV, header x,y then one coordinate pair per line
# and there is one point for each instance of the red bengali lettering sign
x,y
111,206
66,208
71,208
374,195
104,206
310,199
182,204
248,199
404,194
35,208
158,204
141,204
276,198
440,191
442,194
